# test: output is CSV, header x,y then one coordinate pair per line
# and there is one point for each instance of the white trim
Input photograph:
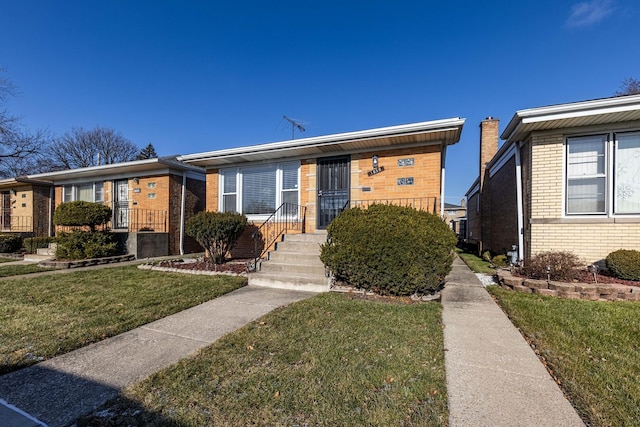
x,y
502,161
519,202
182,209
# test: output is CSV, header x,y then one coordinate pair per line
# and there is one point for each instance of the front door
x,y
333,188
5,218
121,204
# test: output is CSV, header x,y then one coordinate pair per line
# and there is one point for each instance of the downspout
x,y
182,207
51,202
519,202
444,159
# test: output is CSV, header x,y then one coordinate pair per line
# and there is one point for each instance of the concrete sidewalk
x,y
58,391
493,377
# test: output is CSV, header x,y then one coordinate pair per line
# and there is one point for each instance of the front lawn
x,y
592,347
328,360
42,317
475,263
19,269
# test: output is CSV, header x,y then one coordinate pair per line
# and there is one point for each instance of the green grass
x,y
8,260
19,269
41,317
475,263
325,361
592,347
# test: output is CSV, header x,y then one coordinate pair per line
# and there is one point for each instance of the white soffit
x,y
446,131
587,113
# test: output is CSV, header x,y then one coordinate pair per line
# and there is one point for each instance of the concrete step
x,y
295,257
46,251
285,269
294,282
313,237
37,257
298,246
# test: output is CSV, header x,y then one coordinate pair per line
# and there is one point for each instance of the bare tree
x,y
629,86
81,148
17,144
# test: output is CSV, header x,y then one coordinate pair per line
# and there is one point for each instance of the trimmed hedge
x,y
82,214
10,243
624,263
86,244
216,232
390,250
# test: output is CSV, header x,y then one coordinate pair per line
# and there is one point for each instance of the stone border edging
x,y
585,291
187,271
87,262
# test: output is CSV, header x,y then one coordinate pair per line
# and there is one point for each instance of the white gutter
x,y
182,207
519,203
444,159
51,202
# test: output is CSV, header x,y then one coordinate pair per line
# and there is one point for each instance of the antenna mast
x,y
294,125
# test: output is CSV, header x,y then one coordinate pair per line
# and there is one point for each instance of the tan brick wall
x,y
488,145
212,190
22,208
591,242
547,179
153,195
308,192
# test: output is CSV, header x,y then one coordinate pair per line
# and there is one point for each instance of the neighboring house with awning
x,y
26,206
567,178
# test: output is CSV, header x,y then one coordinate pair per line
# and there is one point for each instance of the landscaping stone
x,y
569,294
513,281
590,296
546,292
536,284
524,289
632,296
562,287
586,288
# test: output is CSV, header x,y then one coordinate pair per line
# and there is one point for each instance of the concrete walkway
x,y
58,391
493,377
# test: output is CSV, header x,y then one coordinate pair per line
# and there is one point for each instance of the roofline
x,y
444,124
170,162
574,109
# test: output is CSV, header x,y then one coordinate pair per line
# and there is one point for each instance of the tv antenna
x,y
294,125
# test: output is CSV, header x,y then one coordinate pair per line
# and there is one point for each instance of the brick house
x,y
151,199
567,178
25,206
456,217
322,175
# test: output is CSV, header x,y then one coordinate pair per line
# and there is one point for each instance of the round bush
x,y
84,244
79,214
624,263
10,243
563,266
216,232
390,250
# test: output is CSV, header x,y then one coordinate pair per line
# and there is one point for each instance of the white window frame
x,y
97,189
609,175
239,190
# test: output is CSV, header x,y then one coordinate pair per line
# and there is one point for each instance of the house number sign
x,y
376,171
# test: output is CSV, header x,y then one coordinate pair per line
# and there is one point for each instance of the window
x,y
91,192
259,190
627,173
603,176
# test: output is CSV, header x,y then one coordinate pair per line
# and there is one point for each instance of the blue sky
x,y
192,76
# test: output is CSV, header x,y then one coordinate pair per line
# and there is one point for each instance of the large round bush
x,y
624,263
390,250
217,232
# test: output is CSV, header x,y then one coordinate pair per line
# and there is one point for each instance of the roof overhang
x,y
586,113
12,182
445,132
133,168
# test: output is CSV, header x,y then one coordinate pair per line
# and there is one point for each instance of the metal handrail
x,y
287,217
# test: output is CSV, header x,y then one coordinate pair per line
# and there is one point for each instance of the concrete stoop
x,y
42,254
294,264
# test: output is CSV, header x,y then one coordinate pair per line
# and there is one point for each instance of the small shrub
x,y
216,232
499,260
389,250
85,244
31,244
10,243
564,266
624,264
82,214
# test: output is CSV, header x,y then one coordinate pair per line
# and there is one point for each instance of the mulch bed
x,y
236,266
602,277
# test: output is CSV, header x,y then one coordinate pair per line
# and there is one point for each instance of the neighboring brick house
x,y
567,178
456,217
400,164
151,199
26,206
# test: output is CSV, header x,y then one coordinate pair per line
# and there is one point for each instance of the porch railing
x,y
286,218
132,220
16,223
428,204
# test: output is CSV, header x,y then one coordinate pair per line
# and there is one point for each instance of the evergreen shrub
x,y
10,243
390,250
82,214
85,244
624,263
216,232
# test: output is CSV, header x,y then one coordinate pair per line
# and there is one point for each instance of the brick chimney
x,y
488,143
